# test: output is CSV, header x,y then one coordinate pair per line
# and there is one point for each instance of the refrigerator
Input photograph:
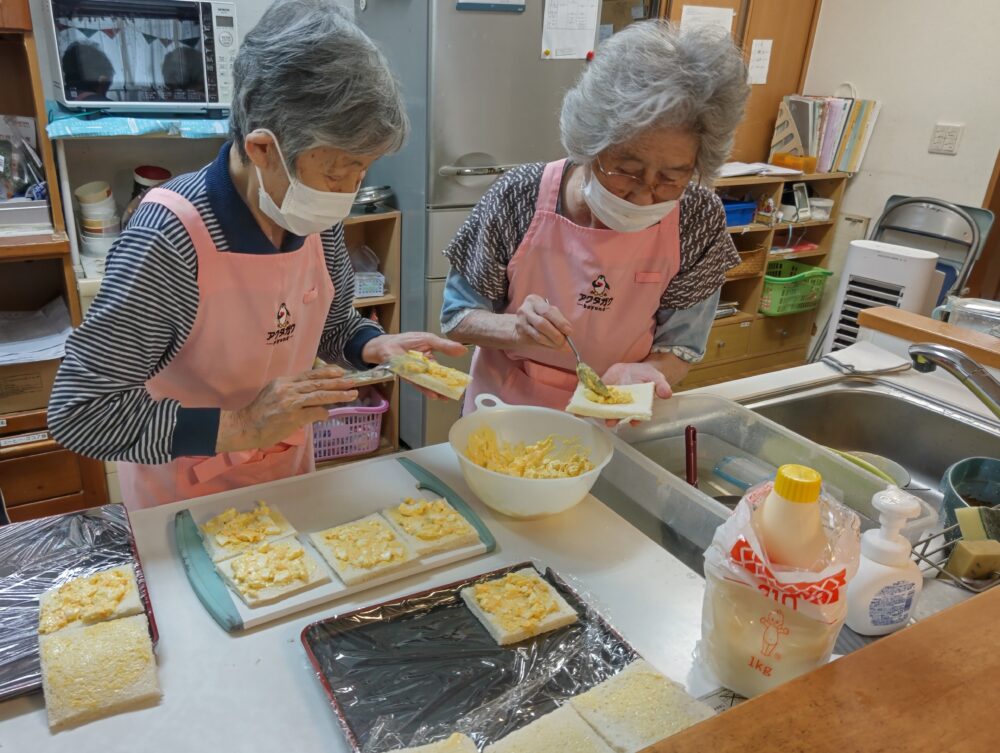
x,y
480,100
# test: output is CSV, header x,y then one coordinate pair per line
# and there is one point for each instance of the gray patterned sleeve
x,y
485,243
707,250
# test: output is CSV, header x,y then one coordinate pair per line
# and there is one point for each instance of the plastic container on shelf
x,y
144,178
791,287
93,192
739,212
351,430
369,284
820,208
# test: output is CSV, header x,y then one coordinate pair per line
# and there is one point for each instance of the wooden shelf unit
x,y
37,476
751,343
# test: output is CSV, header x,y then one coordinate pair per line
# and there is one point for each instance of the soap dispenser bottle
x,y
883,594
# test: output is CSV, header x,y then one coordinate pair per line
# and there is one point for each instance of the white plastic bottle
x,y
789,518
882,596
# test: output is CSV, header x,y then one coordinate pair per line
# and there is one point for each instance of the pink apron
x,y
260,317
608,285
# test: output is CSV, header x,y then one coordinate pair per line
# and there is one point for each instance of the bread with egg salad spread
x,y
518,606
89,599
362,550
559,731
425,372
638,707
97,670
456,743
629,402
230,532
430,525
272,571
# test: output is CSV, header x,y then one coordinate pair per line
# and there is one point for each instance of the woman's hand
x,y
637,373
540,323
381,349
283,407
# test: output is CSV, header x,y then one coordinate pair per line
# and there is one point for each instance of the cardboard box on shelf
x,y
26,386
618,13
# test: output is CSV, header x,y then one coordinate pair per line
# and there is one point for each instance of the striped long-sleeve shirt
x,y
149,296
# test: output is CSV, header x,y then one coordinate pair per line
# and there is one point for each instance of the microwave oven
x,y
143,55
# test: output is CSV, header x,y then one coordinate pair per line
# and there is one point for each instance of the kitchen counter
x,y
256,691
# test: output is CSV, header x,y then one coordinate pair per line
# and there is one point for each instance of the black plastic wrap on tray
x,y
35,556
414,670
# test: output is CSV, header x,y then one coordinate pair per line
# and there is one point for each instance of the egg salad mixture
x,y
429,519
538,460
231,527
91,599
365,544
518,602
271,565
415,362
618,396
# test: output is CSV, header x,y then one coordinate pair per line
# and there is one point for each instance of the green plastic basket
x,y
790,287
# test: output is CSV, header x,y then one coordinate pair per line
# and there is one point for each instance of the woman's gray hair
x,y
308,74
651,75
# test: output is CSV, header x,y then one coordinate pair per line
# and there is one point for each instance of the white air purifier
x,y
880,274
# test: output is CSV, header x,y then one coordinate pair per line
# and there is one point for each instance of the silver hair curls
x,y
652,75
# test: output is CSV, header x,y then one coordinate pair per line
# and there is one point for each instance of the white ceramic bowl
x,y
528,497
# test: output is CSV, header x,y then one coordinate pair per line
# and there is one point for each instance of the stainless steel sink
x,y
922,435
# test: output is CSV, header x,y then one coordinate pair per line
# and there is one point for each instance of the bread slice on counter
x,y
231,532
518,606
456,743
561,731
639,408
272,571
89,599
363,549
98,670
638,707
425,372
430,525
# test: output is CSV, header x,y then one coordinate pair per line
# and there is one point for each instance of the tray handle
x,y
430,482
202,575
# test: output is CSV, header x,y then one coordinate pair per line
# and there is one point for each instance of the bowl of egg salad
x,y
528,462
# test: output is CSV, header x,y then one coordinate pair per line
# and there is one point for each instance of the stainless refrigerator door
x,y
493,101
439,415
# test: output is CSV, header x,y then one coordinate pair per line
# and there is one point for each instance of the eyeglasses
x,y
666,185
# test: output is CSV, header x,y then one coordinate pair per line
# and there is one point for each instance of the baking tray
x,y
358,493
38,554
415,669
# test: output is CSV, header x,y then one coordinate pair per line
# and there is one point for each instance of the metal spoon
x,y
587,376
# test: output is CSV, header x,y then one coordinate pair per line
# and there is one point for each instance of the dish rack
x,y
934,552
349,431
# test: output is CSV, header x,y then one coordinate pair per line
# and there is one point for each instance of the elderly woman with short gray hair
x,y
194,366
620,246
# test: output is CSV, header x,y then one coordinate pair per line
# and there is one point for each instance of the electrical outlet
x,y
945,138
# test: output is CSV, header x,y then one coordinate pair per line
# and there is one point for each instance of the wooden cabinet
x,y
15,14
730,341
771,334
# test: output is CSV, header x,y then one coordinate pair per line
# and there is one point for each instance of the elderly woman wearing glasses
x,y
618,246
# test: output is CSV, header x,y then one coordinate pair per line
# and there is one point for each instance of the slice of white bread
x,y
285,564
98,670
104,595
640,409
505,606
430,525
638,707
243,530
418,368
561,731
363,549
456,743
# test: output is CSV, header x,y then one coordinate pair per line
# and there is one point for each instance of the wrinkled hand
x,y
540,323
637,373
281,408
380,349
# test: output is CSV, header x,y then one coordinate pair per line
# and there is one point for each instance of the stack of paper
x,y
30,336
737,169
834,130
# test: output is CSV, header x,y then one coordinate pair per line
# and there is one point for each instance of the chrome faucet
x,y
926,357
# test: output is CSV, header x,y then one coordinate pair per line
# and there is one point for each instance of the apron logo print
x,y
285,327
598,298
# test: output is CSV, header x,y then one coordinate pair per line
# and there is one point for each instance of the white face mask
x,y
304,210
618,213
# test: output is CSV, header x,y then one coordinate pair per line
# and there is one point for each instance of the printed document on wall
x,y
569,29
760,61
705,15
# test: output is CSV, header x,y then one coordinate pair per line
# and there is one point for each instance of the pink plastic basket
x,y
349,431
